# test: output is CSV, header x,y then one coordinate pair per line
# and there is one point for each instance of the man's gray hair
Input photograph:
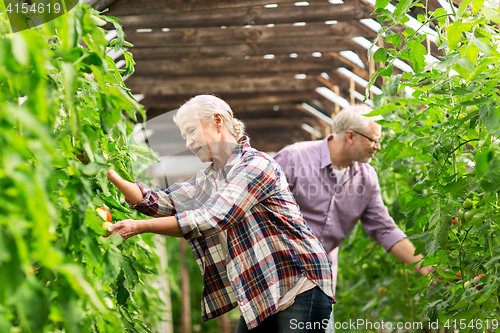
x,y
351,118
208,105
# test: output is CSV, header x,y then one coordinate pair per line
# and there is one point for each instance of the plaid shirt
x,y
270,247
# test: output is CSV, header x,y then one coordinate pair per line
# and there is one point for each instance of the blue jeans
x,y
309,313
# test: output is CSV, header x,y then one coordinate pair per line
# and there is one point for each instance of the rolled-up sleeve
x,y
377,222
159,203
250,181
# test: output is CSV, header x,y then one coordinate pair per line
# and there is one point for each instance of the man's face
x,y
363,149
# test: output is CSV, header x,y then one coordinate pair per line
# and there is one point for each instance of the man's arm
x,y
404,251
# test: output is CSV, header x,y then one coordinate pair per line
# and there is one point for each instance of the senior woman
x,y
244,227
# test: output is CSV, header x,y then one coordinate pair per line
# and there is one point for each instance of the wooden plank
x,y
253,111
324,105
248,49
157,104
257,111
256,15
261,98
99,4
283,33
277,123
201,85
205,66
140,7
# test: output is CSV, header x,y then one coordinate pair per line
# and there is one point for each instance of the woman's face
x,y
199,134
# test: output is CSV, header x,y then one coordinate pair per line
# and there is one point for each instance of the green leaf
x,y
129,269
477,5
111,202
482,46
381,4
408,32
394,39
81,286
32,305
92,168
454,32
145,154
20,50
441,231
111,263
486,293
122,293
401,8
445,274
380,55
491,14
457,188
383,110
482,164
467,64
120,169
417,55
489,116
440,13
120,35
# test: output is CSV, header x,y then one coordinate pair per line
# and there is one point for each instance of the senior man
x,y
335,186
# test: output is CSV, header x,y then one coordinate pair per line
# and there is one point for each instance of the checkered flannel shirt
x,y
270,247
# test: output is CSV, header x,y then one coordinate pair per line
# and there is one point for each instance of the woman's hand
x,y
127,228
112,175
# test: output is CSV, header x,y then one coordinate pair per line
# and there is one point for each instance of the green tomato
x,y
468,215
467,204
471,108
438,42
104,228
461,213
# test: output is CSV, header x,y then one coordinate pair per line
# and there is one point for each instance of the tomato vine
x,y
63,101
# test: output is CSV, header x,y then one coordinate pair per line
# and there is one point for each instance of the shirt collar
x,y
325,156
325,152
242,146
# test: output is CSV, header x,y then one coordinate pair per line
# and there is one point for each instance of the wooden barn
x,y
285,67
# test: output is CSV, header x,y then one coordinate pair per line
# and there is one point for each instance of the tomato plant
x,y
441,150
65,119
439,159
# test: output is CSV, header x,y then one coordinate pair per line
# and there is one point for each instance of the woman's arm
x,y
130,190
168,226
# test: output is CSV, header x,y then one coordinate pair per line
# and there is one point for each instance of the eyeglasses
x,y
373,141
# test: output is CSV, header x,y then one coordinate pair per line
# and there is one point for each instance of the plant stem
x,y
460,250
452,7
410,303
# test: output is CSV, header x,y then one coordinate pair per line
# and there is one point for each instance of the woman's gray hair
x,y
351,118
208,105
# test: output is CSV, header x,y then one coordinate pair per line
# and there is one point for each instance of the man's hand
x,y
127,228
426,270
